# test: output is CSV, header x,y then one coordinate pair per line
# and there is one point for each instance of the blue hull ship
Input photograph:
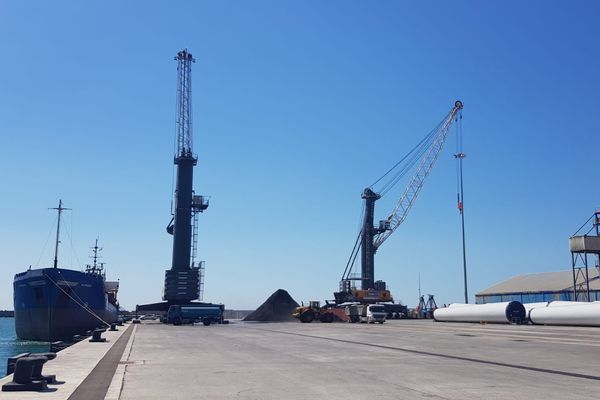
x,y
56,303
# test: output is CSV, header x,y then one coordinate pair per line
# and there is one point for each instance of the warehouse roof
x,y
542,282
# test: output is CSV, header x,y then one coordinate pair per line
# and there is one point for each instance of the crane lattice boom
x,y
184,103
406,201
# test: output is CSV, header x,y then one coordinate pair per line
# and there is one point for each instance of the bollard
x,y
36,373
22,376
10,363
97,336
113,327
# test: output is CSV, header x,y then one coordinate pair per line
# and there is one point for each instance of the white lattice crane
x,y
423,156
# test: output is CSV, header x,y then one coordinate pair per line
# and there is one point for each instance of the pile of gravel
x,y
278,307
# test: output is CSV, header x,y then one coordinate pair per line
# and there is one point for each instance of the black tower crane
x,y
370,238
183,281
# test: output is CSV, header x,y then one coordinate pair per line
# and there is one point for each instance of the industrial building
x,y
533,288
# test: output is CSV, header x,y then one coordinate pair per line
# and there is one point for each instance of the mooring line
x,y
441,355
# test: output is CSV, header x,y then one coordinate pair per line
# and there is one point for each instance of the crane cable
x,y
357,245
352,258
411,158
406,163
80,303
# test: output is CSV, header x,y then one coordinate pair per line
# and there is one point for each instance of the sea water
x,y
10,345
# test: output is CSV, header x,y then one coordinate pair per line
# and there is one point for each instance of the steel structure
x,y
581,246
371,237
183,280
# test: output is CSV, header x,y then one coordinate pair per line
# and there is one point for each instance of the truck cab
x,y
372,313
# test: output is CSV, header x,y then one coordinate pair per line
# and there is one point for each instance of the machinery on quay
x,y
425,309
314,311
422,158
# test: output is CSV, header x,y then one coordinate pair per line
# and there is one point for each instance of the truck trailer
x,y
192,313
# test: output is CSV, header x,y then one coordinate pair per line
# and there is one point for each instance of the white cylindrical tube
x,y
507,312
531,306
586,314
558,303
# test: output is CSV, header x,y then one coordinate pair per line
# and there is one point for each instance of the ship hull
x,y
55,304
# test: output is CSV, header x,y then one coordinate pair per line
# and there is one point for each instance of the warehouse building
x,y
533,288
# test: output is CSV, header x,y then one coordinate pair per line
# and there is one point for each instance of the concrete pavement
x,y
400,359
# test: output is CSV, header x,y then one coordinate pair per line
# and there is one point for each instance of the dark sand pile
x,y
278,307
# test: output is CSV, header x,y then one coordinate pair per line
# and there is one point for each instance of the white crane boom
x,y
406,201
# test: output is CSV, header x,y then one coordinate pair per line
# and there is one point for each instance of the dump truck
x,y
314,311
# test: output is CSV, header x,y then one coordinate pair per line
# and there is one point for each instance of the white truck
x,y
371,313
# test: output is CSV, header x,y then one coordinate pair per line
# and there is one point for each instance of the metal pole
x,y
597,226
460,157
60,209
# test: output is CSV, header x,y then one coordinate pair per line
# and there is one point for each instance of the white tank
x,y
586,314
502,313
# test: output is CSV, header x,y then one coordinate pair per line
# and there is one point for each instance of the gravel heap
x,y
278,307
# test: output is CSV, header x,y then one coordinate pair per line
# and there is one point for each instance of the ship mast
x,y
60,209
95,250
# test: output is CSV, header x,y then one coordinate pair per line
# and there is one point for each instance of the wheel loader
x,y
313,311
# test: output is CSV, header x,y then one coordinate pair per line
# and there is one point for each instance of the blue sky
x,y
297,107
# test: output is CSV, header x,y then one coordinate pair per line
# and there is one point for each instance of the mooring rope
x,y
86,308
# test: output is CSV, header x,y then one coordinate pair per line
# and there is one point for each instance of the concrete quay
x,y
401,359
75,366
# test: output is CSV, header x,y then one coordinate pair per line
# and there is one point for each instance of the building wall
x,y
531,297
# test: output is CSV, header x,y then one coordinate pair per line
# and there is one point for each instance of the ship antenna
x,y
60,209
95,256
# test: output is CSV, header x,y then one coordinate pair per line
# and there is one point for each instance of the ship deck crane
x,y
424,156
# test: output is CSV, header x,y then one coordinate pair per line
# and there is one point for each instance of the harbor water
x,y
10,345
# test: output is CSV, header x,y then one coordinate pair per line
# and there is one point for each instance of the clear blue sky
x,y
297,107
